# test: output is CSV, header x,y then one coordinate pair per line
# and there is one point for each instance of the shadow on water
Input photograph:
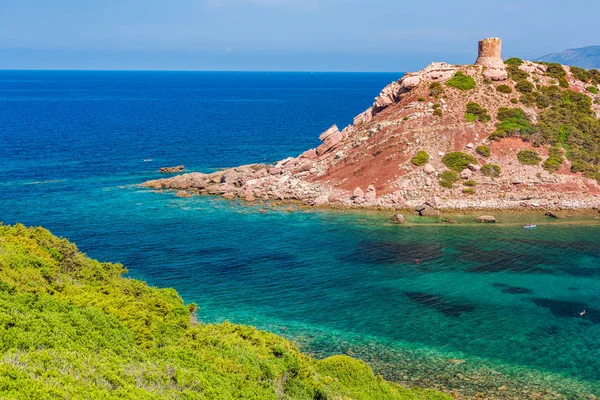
x,y
512,289
498,260
439,303
569,309
383,253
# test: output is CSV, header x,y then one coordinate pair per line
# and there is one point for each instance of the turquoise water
x,y
482,300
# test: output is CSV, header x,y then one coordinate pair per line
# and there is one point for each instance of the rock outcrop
x,y
368,164
171,170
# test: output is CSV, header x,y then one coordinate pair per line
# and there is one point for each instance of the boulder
x,y
485,219
474,168
398,219
427,211
333,129
358,193
410,82
365,117
496,74
171,170
321,200
331,141
309,154
429,169
183,193
553,214
371,194
466,173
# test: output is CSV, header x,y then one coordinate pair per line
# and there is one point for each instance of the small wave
x,y
44,182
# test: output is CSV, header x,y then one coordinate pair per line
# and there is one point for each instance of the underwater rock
x,y
171,170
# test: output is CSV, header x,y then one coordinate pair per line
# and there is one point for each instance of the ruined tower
x,y
490,53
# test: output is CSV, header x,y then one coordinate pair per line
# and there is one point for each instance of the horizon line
x,y
194,70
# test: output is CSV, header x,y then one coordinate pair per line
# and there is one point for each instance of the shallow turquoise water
x,y
499,297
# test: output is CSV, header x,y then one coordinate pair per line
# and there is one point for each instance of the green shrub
x,y
483,150
75,328
476,113
448,178
436,106
515,73
581,74
470,182
513,123
461,81
529,157
468,190
524,86
491,170
421,98
438,112
504,89
514,101
435,89
487,81
594,76
421,158
592,89
554,160
513,61
562,82
458,161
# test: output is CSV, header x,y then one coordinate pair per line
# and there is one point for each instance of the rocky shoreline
x,y
374,162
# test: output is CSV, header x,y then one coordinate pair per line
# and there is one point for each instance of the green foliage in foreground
x,y
529,157
513,122
72,327
461,81
421,158
554,160
592,89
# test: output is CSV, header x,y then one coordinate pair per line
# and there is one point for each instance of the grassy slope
x,y
73,327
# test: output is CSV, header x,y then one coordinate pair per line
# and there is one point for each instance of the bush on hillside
x,y
592,89
581,74
513,123
504,89
513,61
491,170
461,81
515,73
468,190
476,113
554,160
483,150
470,182
524,86
458,161
529,157
420,159
448,178
435,89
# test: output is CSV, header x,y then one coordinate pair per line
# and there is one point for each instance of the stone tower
x,y
490,53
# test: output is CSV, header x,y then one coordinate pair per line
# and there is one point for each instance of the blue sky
x,y
297,35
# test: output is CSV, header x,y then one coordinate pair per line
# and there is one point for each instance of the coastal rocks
x,y
358,194
332,130
183,193
321,200
364,117
331,140
410,82
171,170
488,219
388,96
427,211
398,219
553,214
371,194
309,154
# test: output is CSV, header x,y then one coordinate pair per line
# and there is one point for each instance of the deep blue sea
x,y
493,304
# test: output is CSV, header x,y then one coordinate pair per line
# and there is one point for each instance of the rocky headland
x,y
497,134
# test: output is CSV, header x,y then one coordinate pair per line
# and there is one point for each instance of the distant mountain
x,y
584,57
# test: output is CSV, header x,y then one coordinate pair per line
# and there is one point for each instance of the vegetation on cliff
x,y
73,327
461,81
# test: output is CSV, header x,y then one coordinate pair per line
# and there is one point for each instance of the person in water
x,y
581,314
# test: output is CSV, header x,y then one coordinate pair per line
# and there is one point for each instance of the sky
x,y
282,35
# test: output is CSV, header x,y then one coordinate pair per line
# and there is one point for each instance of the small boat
x,y
529,226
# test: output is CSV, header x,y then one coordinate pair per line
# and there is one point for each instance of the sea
x,y
487,308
